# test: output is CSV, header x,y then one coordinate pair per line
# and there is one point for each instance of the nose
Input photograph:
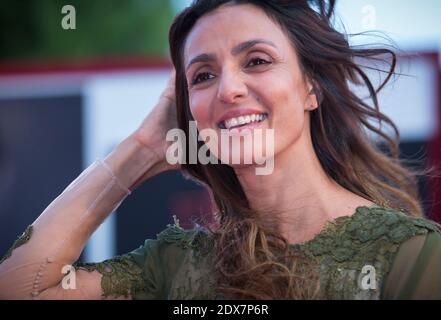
x,y
231,87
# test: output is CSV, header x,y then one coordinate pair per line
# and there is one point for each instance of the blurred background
x,y
78,76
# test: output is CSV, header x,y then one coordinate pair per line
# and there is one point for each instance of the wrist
x,y
130,160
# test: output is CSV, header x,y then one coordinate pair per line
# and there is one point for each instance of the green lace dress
x,y
400,254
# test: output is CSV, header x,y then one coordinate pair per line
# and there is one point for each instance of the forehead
x,y
229,25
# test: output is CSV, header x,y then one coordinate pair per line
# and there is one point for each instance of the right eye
x,y
201,77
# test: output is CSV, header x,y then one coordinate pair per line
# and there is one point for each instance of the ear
x,y
314,98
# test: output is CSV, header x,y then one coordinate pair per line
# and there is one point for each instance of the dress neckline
x,y
334,222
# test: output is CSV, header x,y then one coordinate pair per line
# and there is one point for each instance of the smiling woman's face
x,y
239,62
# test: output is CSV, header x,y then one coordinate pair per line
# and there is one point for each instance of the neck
x,y
299,192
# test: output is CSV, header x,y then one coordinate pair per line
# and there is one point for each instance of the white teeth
x,y
243,120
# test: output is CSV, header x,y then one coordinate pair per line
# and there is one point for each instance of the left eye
x,y
257,61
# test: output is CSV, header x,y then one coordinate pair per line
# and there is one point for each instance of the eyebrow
x,y
207,57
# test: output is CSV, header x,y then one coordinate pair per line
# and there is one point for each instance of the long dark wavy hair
x,y
253,260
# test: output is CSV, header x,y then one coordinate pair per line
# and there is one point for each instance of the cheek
x,y
286,88
288,116
284,100
200,109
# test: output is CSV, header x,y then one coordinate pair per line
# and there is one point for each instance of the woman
x,y
332,220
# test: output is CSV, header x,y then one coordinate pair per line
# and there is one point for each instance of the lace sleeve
x,y
43,256
137,275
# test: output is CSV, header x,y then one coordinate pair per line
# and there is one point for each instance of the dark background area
x,y
40,154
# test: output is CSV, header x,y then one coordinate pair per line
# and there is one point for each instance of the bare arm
x,y
34,269
61,231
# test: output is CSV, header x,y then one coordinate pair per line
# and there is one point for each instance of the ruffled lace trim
x,y
121,276
21,240
371,236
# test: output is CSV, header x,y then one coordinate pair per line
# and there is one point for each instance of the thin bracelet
x,y
105,165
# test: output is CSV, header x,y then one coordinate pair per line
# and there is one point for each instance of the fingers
x,y
169,92
173,73
172,77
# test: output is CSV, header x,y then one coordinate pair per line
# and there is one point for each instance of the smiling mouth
x,y
241,121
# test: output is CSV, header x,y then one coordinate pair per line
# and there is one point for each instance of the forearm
x,y
62,230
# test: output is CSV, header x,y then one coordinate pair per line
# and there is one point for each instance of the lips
x,y
242,120
237,117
